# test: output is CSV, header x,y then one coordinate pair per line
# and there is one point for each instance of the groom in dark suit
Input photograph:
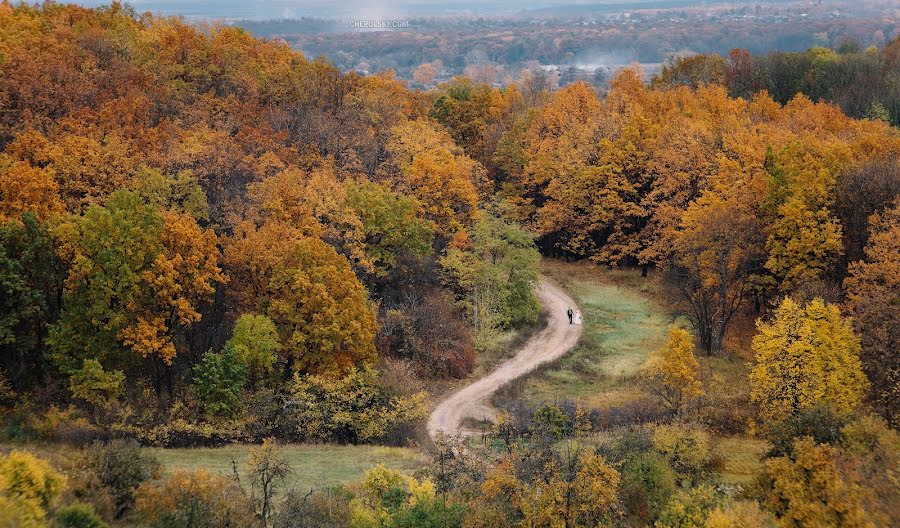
x,y
569,313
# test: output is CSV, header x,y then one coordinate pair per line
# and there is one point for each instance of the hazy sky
x,y
363,9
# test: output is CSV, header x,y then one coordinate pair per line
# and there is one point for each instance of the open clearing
x,y
313,466
622,324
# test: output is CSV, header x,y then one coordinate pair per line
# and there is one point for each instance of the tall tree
x,y
714,252
137,279
873,294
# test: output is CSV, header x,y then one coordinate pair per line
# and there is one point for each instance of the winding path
x,y
472,401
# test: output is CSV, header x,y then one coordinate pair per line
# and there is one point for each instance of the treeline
x,y
208,238
862,82
510,44
205,235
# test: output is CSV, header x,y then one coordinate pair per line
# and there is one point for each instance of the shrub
x,y
810,488
431,514
550,420
686,448
637,412
648,483
64,425
432,334
182,433
78,515
689,509
27,476
739,514
28,488
351,409
122,466
819,423
314,509
200,500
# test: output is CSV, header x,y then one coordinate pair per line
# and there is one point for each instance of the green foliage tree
x,y
648,483
98,387
391,225
31,280
219,381
179,192
254,342
137,277
495,277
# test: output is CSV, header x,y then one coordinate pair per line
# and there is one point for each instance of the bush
x,y
182,433
432,334
648,483
27,476
431,514
689,508
78,515
314,509
64,425
351,409
122,466
199,500
686,448
820,423
550,420
628,414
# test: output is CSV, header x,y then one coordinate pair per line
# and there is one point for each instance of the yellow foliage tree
x,y
322,310
426,164
812,491
673,370
803,244
28,488
805,357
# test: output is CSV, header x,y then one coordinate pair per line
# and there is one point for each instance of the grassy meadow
x,y
313,466
622,324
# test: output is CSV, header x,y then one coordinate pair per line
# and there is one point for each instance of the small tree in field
x,y
806,357
267,471
672,371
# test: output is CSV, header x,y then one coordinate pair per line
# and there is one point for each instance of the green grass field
x,y
622,325
313,466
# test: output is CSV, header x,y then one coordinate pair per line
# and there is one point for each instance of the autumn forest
x,y
209,241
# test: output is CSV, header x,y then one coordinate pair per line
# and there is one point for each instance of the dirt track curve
x,y
472,401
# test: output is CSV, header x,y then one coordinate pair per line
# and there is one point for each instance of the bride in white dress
x,y
577,318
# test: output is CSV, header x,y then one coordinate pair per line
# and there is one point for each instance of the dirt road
x,y
472,401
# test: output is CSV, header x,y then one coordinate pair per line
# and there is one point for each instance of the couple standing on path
x,y
574,317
